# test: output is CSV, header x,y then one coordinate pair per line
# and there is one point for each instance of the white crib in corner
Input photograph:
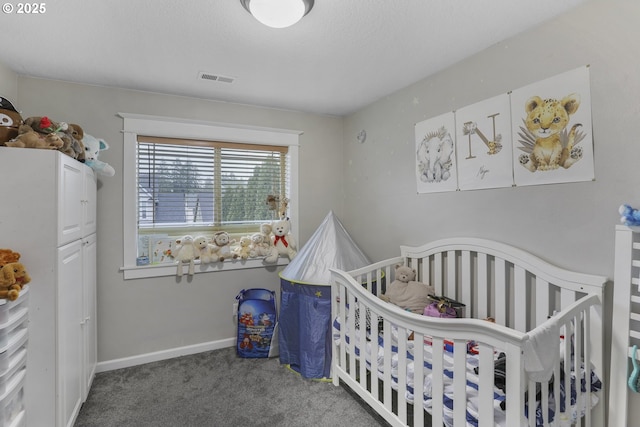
x,y
521,291
625,320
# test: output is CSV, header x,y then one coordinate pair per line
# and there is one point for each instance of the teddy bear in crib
x,y
13,276
221,247
203,249
243,250
185,252
406,292
282,240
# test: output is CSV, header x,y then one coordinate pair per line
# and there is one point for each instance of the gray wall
x,y
571,224
144,316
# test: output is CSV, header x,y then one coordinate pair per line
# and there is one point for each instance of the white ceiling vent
x,y
202,75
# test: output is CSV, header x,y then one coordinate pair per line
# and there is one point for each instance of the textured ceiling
x,y
342,56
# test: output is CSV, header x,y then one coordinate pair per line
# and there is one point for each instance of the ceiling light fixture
x,y
278,13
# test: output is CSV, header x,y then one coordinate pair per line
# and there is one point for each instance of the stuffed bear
x,y
31,139
244,249
221,248
185,252
282,240
13,277
93,146
260,245
72,147
406,293
629,216
8,256
203,248
10,121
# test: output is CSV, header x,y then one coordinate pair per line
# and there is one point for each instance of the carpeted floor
x,y
218,388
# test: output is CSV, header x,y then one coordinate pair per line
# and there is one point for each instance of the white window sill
x,y
159,270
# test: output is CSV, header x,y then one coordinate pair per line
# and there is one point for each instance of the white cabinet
x,y
51,221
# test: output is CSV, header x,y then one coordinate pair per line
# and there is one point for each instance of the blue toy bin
x,y
257,323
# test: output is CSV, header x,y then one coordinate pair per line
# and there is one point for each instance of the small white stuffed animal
x,y
244,249
221,248
185,252
204,249
260,245
93,146
283,241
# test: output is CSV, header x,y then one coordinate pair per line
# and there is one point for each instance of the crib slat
x,y
362,344
514,378
375,319
520,298
351,363
343,326
459,382
402,374
587,366
465,272
437,273
418,380
542,300
451,274
531,403
483,291
437,383
386,375
485,386
501,292
545,403
577,358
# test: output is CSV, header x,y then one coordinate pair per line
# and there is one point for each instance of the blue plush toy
x,y
92,147
629,216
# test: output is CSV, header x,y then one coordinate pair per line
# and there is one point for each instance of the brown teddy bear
x,y
7,256
10,121
31,139
13,277
70,134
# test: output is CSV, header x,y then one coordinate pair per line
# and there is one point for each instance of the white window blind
x,y
207,185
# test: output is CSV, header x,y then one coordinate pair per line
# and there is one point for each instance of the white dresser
x,y
49,216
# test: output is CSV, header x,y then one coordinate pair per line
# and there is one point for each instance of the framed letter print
x,y
483,144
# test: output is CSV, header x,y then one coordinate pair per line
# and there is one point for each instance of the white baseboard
x,y
141,359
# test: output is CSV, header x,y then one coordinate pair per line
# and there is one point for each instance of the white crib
x,y
524,294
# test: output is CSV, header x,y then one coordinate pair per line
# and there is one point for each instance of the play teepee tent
x,y
305,306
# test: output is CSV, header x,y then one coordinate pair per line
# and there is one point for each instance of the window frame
x,y
169,127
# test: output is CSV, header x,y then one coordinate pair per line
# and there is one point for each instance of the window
x,y
190,177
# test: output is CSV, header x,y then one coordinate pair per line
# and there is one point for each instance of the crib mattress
x,y
375,345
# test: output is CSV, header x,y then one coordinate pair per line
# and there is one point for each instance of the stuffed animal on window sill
x,y
92,148
283,242
204,249
185,252
221,247
243,250
406,293
260,245
13,277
